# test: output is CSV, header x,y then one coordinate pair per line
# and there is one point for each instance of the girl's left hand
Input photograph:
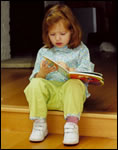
x,y
66,66
63,65
72,69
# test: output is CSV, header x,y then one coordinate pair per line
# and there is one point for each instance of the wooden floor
x,y
53,141
103,100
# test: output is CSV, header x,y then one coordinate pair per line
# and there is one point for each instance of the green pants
x,y
43,95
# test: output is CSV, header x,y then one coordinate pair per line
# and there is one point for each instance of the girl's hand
x,y
45,69
72,69
63,65
66,67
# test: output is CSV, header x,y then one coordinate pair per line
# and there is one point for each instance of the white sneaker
x,y
39,131
71,135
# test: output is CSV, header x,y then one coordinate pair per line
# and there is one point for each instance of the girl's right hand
x,y
45,69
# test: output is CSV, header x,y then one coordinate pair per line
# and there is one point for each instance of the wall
x,y
5,28
46,3
87,20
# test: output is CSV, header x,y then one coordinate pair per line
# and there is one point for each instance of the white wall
x,y
5,28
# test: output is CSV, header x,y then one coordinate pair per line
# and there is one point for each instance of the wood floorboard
x,y
53,141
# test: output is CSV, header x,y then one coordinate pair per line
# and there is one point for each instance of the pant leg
x,y
74,97
37,96
43,95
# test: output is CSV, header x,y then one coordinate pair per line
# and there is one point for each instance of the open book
x,y
94,78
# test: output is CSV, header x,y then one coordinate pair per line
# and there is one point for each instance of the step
x,y
16,118
19,62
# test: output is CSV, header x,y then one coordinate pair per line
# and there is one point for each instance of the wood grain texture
x,y
20,140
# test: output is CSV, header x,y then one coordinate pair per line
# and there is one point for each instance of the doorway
x,y
25,27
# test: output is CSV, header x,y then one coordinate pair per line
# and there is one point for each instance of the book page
x,y
61,69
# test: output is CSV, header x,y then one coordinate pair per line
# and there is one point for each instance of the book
x,y
94,78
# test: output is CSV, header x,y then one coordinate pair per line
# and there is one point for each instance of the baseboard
x,y
90,124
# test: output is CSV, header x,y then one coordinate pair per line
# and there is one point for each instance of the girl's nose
x,y
57,37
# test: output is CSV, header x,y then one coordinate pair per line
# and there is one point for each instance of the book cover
x,y
93,78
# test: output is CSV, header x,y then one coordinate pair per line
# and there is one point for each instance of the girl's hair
x,y
61,12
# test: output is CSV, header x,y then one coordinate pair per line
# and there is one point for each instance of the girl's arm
x,y
36,66
40,67
84,63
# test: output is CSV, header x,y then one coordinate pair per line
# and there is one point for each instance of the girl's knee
x,y
75,82
35,83
74,85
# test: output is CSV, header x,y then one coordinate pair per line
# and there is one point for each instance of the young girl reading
x,y
49,89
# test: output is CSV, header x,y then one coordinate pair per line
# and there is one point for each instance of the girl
x,y
50,90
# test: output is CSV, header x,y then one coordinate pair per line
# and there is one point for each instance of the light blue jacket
x,y
78,58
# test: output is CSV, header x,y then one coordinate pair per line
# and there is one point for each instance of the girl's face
x,y
59,35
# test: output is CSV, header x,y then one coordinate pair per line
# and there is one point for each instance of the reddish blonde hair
x,y
61,12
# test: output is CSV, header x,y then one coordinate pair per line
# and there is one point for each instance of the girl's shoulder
x,y
43,49
82,47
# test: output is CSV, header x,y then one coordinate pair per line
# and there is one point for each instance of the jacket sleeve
x,y
36,69
84,63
